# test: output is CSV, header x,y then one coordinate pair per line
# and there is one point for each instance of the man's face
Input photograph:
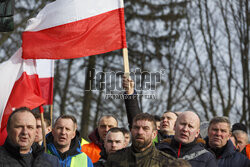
x,y
142,134
187,128
242,141
104,125
114,141
39,134
218,134
158,125
127,139
63,132
22,130
167,122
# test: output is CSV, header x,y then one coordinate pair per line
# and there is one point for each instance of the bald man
x,y
185,145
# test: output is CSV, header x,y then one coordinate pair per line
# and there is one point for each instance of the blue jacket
x,y
230,157
194,152
71,158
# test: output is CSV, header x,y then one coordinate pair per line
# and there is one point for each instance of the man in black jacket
x,y
19,149
114,140
219,131
185,145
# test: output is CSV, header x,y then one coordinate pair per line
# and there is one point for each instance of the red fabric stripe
x,y
25,93
3,135
179,150
46,85
91,36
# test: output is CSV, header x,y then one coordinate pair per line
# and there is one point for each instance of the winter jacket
x,y
229,157
10,156
246,151
102,160
71,158
132,107
94,148
128,157
160,136
6,15
193,152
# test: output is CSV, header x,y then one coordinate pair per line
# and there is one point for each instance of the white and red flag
x,y
45,71
19,87
67,29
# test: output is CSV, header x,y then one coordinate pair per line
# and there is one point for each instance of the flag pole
x,y
125,60
51,115
43,131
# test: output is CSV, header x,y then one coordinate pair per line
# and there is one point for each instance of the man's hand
x,y
128,84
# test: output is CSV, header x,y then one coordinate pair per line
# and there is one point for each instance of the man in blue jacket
x,y
219,132
64,143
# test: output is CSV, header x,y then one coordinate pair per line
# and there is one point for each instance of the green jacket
x,y
129,158
6,15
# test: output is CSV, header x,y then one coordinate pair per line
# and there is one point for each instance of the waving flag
x,y
45,71
67,29
19,87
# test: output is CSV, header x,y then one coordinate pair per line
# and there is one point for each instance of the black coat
x,y
194,152
132,107
229,157
10,157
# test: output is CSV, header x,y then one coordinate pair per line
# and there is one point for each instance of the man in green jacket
x,y
142,153
6,15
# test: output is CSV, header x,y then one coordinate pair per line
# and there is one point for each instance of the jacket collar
x,y
15,150
75,146
95,138
225,151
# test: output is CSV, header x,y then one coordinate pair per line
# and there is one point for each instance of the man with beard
x,y
142,153
185,145
132,108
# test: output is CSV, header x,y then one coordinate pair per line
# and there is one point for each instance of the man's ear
x,y
154,134
197,134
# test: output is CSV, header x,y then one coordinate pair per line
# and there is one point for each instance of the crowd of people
x,y
174,139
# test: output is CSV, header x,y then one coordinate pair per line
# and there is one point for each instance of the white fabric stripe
x,y
10,72
66,11
45,68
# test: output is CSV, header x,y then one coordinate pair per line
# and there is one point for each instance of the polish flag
x,y
19,87
45,71
67,29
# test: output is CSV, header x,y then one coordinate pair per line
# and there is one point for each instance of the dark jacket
x,y
73,154
160,136
228,157
102,160
194,152
128,157
132,107
10,157
6,15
